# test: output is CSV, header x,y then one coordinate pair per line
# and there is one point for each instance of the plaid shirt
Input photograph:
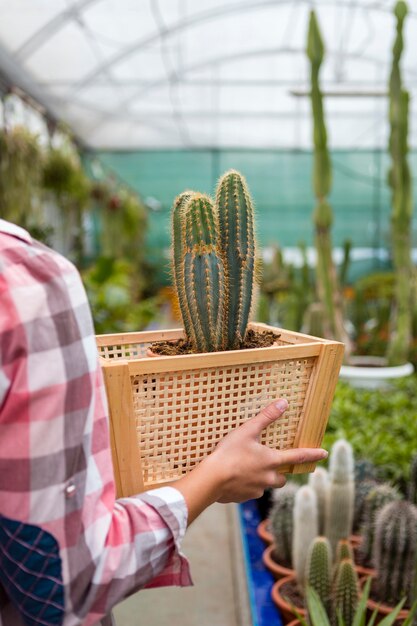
x,y
68,551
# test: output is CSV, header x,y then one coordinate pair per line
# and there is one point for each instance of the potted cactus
x,y
201,381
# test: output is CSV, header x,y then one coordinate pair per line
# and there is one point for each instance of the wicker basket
x,y
167,413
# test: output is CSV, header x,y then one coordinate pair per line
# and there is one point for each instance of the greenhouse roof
x,y
130,74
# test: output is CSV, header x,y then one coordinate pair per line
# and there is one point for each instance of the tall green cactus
x,y
412,484
214,264
319,570
236,221
377,498
346,592
340,493
281,523
402,203
395,550
327,284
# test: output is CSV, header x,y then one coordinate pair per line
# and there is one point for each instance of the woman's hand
x,y
241,468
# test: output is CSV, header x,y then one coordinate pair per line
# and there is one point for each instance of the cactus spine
x,y
402,204
238,246
327,284
377,498
305,523
346,593
214,264
319,481
318,572
281,522
340,494
395,551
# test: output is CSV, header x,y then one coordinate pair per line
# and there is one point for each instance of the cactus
x,y
281,522
412,485
377,498
319,481
343,551
235,213
395,549
328,289
340,494
362,489
214,264
305,524
399,179
346,592
318,570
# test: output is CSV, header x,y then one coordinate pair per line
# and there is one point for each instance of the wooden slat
x,y
318,401
221,359
120,339
127,457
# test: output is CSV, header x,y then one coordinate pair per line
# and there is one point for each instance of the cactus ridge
x,y
374,501
318,570
395,551
201,288
346,595
281,522
178,254
236,218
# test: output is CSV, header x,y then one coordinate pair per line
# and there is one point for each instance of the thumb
x,y
267,416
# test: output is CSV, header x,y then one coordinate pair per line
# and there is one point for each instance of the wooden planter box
x,y
168,412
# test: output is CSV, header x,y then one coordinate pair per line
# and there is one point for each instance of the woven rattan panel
x,y
124,351
180,416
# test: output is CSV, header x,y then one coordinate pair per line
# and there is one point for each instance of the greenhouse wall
x,y
280,182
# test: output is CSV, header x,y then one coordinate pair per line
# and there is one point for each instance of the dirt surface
x,y
253,339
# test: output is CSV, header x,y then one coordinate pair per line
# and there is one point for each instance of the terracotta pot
x,y
283,606
355,540
383,609
264,532
278,571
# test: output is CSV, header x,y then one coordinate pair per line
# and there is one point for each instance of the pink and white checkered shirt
x,y
68,550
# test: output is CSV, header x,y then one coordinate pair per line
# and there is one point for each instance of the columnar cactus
x,y
281,522
412,485
340,494
343,551
362,490
328,289
319,570
319,481
377,498
305,523
395,550
213,264
346,592
402,204
236,219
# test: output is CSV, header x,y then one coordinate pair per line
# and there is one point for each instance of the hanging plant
x,y
20,175
65,178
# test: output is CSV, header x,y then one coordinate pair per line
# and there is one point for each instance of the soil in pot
x,y
285,594
278,570
253,339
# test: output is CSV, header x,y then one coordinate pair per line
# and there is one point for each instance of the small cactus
x,y
346,593
281,522
319,481
344,551
395,550
318,570
374,501
305,522
340,494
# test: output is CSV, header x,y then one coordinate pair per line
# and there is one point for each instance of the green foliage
x,y
20,176
64,176
380,425
318,617
114,307
214,263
